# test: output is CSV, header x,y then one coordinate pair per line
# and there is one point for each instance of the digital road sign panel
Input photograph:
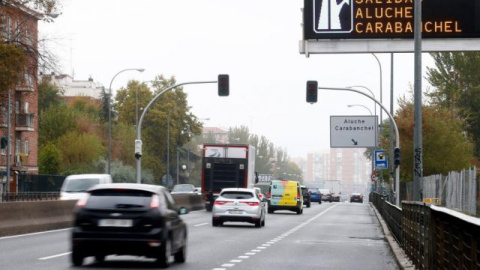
x,y
389,19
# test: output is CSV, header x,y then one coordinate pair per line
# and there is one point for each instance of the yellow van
x,y
285,195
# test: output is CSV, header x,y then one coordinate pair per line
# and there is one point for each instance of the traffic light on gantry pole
x,y
312,90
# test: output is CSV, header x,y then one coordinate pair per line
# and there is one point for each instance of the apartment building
x,y
19,27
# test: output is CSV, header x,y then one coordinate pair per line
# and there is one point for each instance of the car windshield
x,y
237,195
81,184
183,188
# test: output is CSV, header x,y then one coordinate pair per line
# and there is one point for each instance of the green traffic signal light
x,y
223,85
312,91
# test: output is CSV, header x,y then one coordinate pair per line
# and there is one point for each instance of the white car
x,y
75,187
239,205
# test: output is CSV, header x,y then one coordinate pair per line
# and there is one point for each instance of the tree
x,y
239,135
79,152
456,82
103,112
42,6
54,122
48,95
12,64
49,159
445,146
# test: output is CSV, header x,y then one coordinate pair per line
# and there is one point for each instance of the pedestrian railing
x,y
433,237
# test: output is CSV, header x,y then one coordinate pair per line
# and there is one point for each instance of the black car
x,y
128,219
356,197
306,197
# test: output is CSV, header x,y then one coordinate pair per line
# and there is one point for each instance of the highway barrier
x,y
19,217
26,217
190,201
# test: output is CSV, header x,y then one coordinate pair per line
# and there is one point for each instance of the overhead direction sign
x,y
353,131
375,21
381,161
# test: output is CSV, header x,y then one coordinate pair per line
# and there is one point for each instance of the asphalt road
x,y
327,236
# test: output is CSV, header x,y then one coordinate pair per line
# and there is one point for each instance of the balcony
x,y
27,85
3,119
24,122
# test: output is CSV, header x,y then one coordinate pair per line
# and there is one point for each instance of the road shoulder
x,y
400,256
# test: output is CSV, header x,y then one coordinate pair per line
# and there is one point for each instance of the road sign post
x,y
381,161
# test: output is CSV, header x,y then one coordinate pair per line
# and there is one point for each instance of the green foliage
x,y
103,112
456,79
169,113
49,159
54,122
445,147
84,106
12,64
48,95
79,151
239,135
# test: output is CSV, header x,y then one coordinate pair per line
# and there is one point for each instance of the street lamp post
x,y
139,126
397,137
360,105
110,116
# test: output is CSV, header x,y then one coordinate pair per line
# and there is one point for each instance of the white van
x,y
75,186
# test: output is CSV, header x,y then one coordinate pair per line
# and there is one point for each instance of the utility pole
x,y
417,130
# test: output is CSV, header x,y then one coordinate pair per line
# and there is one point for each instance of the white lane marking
x,y
37,233
236,261
255,250
201,224
228,265
243,257
218,269
250,253
261,247
54,256
267,244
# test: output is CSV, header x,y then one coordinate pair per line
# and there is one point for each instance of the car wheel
x,y
99,258
308,205
320,202
215,223
77,257
299,211
181,255
263,222
165,253
270,211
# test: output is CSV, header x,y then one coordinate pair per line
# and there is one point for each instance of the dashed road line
x,y
54,256
201,224
271,242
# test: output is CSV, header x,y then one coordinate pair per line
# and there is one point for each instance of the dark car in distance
x,y
128,219
315,195
306,196
356,197
326,195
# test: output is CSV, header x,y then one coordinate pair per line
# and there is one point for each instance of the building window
x,y
17,107
17,147
26,148
26,106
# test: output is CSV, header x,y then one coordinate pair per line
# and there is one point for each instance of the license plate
x,y
236,212
115,223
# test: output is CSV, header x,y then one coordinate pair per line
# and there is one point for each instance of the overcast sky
x,y
255,42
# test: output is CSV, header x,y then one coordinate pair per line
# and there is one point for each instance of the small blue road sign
x,y
381,162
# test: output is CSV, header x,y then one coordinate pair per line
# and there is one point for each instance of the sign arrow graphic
x,y
354,142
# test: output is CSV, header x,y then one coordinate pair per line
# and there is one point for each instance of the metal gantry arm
x,y
139,126
397,136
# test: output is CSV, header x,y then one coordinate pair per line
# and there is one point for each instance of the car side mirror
x,y
183,210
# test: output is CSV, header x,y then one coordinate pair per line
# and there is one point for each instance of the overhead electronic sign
x,y
389,19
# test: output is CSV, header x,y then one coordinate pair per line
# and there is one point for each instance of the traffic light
x,y
397,156
138,149
223,85
312,90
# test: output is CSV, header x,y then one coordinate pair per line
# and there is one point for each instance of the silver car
x,y
239,204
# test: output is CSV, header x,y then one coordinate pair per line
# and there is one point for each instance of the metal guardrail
x,y
29,196
416,222
390,213
433,237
